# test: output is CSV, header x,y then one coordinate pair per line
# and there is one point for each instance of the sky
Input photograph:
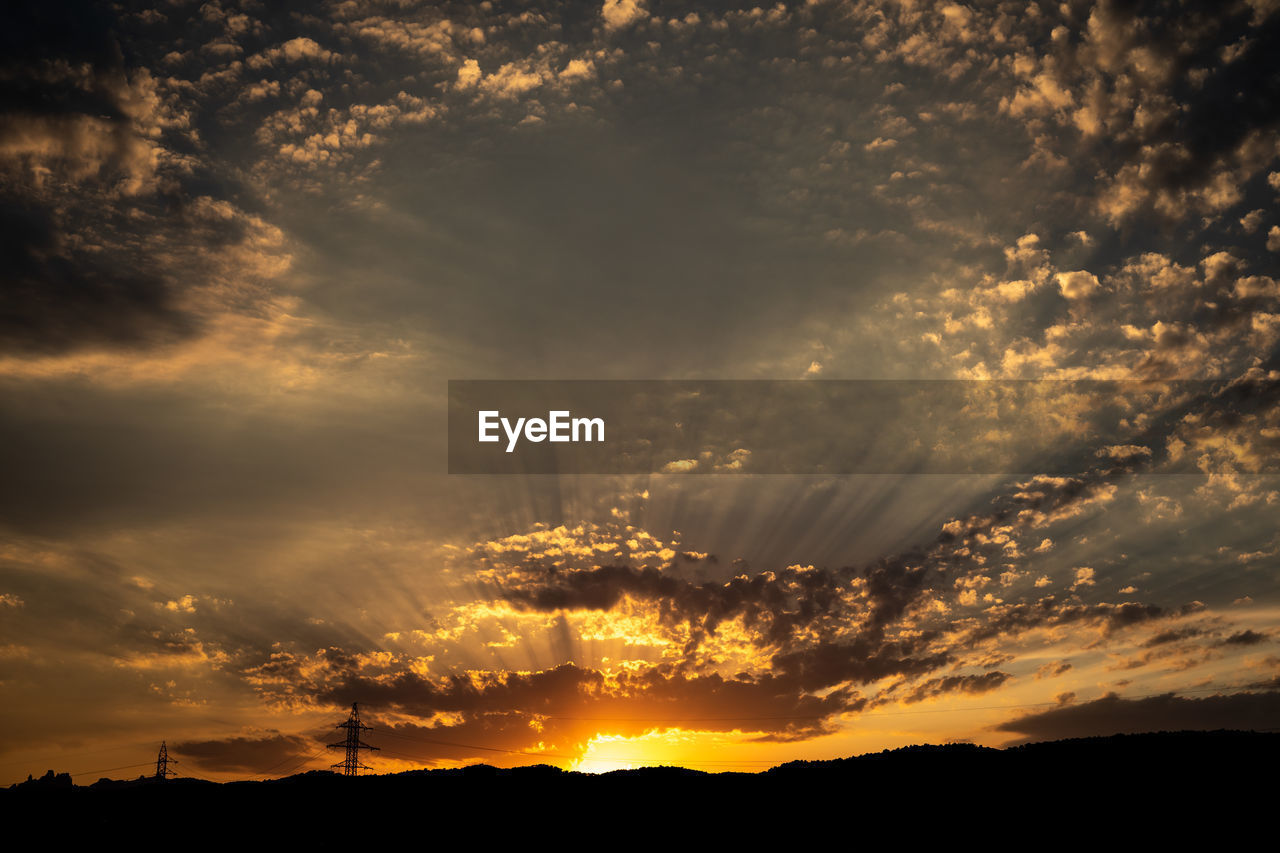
x,y
246,245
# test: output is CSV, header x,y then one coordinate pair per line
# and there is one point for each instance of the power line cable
x,y
109,769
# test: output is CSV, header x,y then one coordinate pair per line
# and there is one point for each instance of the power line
x,y
393,733
292,761
619,759
350,765
68,755
162,763
353,726
109,769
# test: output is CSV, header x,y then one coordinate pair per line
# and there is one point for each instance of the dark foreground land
x,y
1220,786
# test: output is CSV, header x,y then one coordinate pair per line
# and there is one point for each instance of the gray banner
x,y
810,427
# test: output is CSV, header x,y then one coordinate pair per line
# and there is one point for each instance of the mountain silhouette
x,y
1166,783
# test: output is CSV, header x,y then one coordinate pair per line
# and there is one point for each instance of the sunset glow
x,y
247,246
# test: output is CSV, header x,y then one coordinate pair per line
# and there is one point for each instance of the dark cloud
x,y
1218,111
569,703
1173,636
493,737
1183,93
774,603
62,118
55,299
1007,620
1115,715
262,754
971,684
112,210
776,607
77,31
861,661
1053,669
1245,638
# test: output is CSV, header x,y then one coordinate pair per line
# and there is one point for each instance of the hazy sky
x,y
246,244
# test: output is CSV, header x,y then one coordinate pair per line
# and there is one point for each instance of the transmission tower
x,y
162,763
351,765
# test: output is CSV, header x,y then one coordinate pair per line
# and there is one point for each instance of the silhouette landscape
x,y
695,387
1130,777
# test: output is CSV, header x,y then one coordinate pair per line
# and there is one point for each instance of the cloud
x,y
249,754
1135,77
566,705
79,134
469,74
971,684
1079,284
427,39
59,298
1113,714
114,232
1247,637
1053,669
185,604
310,135
618,14
293,50
1083,577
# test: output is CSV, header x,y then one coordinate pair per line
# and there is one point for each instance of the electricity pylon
x,y
162,763
351,765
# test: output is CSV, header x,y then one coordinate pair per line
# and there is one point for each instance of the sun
x,y
663,747
605,753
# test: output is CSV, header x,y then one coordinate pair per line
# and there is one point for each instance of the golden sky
x,y
246,245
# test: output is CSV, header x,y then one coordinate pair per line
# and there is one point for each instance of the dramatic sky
x,y
245,245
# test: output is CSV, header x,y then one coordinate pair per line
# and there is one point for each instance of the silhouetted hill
x,y
1162,781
